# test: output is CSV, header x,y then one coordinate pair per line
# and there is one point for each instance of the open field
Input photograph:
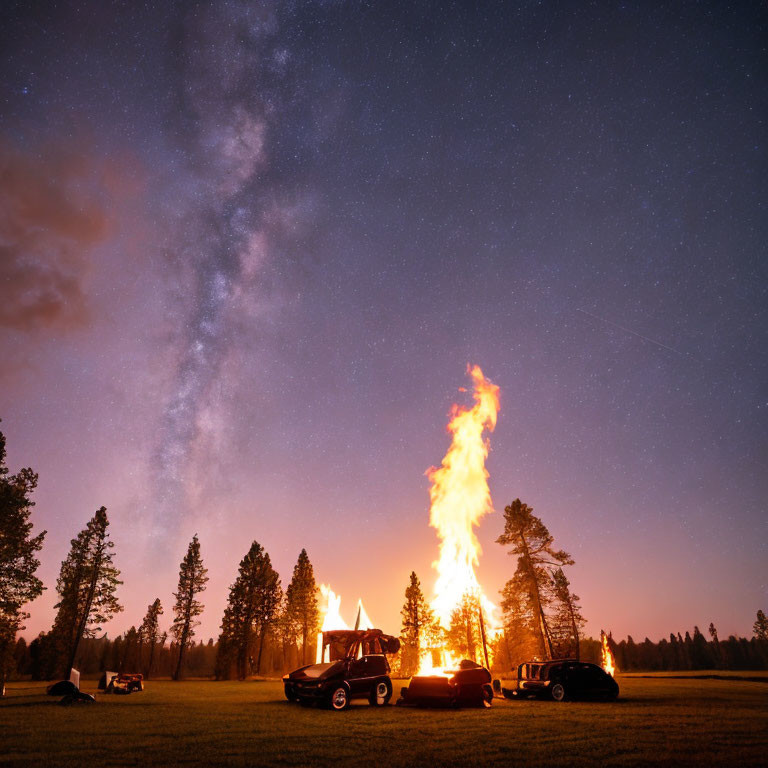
x,y
656,721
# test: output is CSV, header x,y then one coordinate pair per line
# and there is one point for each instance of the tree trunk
x,y
83,623
182,649
545,641
151,657
127,648
485,644
575,629
506,647
261,649
285,654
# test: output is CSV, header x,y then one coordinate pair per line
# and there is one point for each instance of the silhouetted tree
x,y
149,631
701,656
18,564
301,602
86,585
254,599
532,543
717,651
566,621
760,627
420,629
192,581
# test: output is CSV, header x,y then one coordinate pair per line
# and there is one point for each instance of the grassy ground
x,y
656,721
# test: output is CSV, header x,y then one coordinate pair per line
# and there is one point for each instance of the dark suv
x,y
562,680
356,668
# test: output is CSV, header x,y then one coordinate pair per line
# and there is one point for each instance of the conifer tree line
x,y
267,629
264,630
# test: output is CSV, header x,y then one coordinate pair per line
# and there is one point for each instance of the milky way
x,y
224,52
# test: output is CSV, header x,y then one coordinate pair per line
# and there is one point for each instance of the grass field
x,y
656,721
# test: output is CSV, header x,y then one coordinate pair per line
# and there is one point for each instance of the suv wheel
x,y
339,698
381,693
557,691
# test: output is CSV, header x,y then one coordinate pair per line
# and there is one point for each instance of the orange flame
x,y
460,498
332,619
609,662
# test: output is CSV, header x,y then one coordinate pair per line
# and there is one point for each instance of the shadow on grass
x,y
36,702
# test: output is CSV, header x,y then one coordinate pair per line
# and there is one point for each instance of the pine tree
x,y
87,584
192,581
520,640
567,621
254,599
18,583
760,627
420,630
301,602
286,633
532,543
463,635
149,631
702,658
717,651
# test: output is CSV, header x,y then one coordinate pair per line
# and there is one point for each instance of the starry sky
x,y
249,248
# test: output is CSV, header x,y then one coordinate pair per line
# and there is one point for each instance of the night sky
x,y
248,250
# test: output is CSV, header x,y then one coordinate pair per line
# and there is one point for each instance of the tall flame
x,y
609,662
331,618
331,613
460,498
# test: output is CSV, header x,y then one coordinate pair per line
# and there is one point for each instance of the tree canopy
x,y
530,589
301,602
254,599
192,580
87,586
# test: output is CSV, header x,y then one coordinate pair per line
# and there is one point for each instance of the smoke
x,y
230,97
52,211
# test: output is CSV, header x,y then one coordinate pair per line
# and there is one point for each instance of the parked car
x,y
467,686
357,668
561,680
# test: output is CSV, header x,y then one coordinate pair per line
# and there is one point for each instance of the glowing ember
x,y
609,663
460,498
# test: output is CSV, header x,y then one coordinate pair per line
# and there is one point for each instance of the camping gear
x,y
106,680
77,698
121,682
62,688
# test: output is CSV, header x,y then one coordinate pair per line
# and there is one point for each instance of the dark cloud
x,y
50,217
